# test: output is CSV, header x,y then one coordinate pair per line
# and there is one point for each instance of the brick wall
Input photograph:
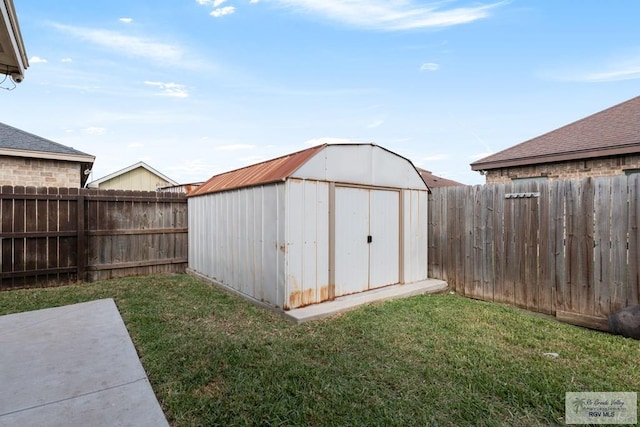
x,y
602,166
39,172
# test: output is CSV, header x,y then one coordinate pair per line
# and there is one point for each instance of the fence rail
x,y
569,248
66,234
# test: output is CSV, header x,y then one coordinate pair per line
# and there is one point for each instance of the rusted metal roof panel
x,y
267,172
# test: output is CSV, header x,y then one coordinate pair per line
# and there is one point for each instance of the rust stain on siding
x,y
324,293
299,299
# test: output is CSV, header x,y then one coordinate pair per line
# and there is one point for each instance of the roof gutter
x,y
574,155
86,158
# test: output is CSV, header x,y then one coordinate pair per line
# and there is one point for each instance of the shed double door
x,y
367,239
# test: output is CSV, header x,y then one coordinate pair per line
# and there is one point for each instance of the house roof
x,y
434,181
614,131
274,170
13,57
266,172
143,165
18,143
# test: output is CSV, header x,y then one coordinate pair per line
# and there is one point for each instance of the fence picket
x,y
51,235
557,246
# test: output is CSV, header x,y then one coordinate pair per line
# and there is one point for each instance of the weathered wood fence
x,y
569,248
65,234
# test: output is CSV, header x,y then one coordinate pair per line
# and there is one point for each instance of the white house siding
x,y
415,235
237,238
307,237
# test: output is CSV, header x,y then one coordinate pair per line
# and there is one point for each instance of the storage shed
x,y
313,225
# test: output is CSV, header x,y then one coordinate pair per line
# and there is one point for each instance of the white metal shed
x,y
313,225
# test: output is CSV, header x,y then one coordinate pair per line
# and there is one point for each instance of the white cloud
x,y
254,1
375,124
330,140
430,66
66,60
126,20
434,158
37,60
222,11
623,66
135,145
218,11
170,89
92,130
630,73
235,147
392,14
125,44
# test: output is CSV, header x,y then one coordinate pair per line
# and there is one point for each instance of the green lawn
x,y
442,360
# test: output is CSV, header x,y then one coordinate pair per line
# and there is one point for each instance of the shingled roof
x,y
435,181
16,142
611,132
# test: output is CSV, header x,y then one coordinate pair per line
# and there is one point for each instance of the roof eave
x,y
560,157
47,155
14,59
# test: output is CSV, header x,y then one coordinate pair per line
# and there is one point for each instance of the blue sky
x,y
199,87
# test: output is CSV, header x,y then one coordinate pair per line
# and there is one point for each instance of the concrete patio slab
x,y
350,302
73,365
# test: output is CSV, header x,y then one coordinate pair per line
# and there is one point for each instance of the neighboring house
x,y
140,177
603,144
13,57
435,181
29,160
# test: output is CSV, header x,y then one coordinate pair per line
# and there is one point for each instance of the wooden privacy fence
x,y
569,248
65,234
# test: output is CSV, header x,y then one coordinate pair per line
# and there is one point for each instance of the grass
x,y
440,360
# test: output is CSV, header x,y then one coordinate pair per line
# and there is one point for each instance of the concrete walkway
x,y
73,366
350,302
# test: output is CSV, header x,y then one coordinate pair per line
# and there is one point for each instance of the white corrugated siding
x,y
360,213
351,247
384,228
363,165
307,236
237,238
271,242
415,235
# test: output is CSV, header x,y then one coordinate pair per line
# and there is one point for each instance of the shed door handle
x,y
369,239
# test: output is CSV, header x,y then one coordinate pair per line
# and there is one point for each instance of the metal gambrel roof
x,y
266,172
281,168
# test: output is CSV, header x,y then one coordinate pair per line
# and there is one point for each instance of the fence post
x,y
81,260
